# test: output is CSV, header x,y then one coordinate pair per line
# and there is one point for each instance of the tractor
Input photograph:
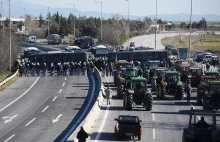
x,y
125,73
212,73
149,68
156,76
120,65
179,63
195,133
211,98
194,76
137,93
203,87
170,85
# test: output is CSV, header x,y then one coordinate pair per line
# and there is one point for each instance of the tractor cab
x,y
158,73
136,93
149,69
195,73
171,77
212,73
178,64
196,133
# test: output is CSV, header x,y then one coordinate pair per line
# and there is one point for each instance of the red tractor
x,y
157,76
203,88
194,76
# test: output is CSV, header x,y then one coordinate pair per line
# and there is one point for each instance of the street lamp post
x,y
48,22
101,19
10,34
156,28
74,20
1,17
190,33
128,21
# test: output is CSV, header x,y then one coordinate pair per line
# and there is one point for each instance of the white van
x,y
32,39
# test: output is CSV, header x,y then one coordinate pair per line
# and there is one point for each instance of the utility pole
x,y
48,21
10,34
128,22
1,17
101,20
74,20
190,32
156,28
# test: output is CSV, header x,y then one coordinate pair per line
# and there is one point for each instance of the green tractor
x,y
137,93
148,70
125,73
170,85
211,98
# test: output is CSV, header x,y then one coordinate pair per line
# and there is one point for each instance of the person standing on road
x,y
108,95
82,135
189,90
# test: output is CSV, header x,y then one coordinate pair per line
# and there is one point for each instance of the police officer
x,y
52,68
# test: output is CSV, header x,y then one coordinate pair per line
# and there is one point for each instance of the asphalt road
x,y
40,109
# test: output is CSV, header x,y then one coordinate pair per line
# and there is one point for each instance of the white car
x,y
32,39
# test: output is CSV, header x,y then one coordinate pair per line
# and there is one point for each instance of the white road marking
x,y
153,117
57,119
54,98
9,138
9,119
154,134
45,108
83,114
63,84
21,95
65,78
30,122
102,125
60,90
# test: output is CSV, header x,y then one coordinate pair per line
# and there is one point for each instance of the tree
x,y
183,25
202,23
41,21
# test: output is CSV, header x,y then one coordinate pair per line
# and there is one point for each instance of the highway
x,y
40,109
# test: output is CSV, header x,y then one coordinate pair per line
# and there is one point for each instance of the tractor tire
x,y
148,77
179,93
163,92
148,102
125,96
199,98
158,91
129,102
154,84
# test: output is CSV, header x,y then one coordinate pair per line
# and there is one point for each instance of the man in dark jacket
x,y
82,135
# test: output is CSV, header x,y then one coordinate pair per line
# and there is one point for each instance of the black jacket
x,y
82,135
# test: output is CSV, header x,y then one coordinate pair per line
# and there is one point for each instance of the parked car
x,y
127,127
54,39
168,47
32,39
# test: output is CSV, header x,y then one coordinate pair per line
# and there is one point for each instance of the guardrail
x,y
92,116
8,80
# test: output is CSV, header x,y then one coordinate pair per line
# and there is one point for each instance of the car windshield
x,y
131,73
171,77
129,119
208,56
139,85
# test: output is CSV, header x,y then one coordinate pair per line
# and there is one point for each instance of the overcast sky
x,y
137,7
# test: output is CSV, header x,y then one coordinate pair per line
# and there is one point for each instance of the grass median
x,y
209,43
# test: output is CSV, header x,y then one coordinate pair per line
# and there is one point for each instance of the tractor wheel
x,y
125,100
158,91
199,98
205,104
129,102
163,92
153,84
148,101
179,93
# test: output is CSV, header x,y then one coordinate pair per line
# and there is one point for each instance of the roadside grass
x,y
211,43
3,76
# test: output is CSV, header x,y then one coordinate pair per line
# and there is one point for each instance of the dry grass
x,y
9,82
210,42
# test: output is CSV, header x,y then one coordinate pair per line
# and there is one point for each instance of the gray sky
x,y
137,7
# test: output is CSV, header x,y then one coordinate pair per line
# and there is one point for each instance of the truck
x,y
54,39
128,127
